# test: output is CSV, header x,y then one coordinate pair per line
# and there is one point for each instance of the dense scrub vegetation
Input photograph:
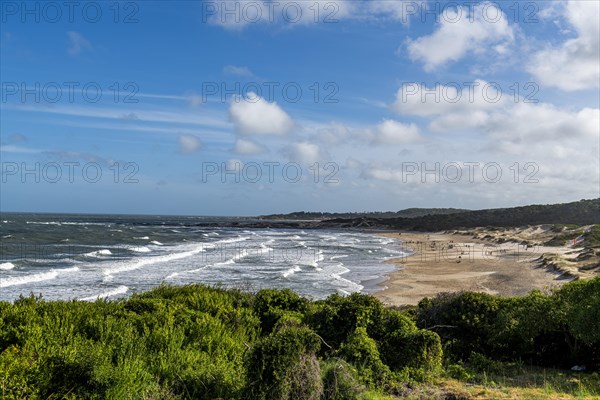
x,y
584,212
406,213
197,342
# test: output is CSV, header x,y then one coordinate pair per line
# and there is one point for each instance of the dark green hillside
x,y
584,212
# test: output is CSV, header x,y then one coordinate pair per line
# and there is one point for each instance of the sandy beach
x,y
450,262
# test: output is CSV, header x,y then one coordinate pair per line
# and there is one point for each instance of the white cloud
x,y
243,146
521,126
234,164
256,116
574,65
461,31
17,149
239,71
173,117
417,99
334,133
77,43
391,132
236,15
401,10
189,144
305,152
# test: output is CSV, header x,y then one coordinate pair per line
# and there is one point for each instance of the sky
x,y
259,107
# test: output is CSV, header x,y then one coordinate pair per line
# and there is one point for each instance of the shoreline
x,y
453,262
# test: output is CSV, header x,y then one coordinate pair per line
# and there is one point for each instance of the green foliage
x,y
592,238
337,317
283,365
362,351
561,328
466,321
270,305
196,342
163,343
580,302
340,380
417,350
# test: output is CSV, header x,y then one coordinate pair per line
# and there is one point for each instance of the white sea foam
x,y
120,290
22,280
31,278
141,249
130,265
291,271
142,238
156,242
6,266
99,253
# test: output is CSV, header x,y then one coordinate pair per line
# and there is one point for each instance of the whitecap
x,y
141,249
120,290
291,271
125,266
22,280
6,266
99,253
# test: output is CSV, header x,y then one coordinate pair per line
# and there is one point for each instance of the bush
x,y
340,380
270,305
337,317
416,350
361,351
284,365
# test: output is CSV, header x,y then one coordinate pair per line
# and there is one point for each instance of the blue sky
x,y
187,108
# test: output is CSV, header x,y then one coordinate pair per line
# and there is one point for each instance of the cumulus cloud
x,y
77,43
390,132
573,65
248,147
417,99
462,31
521,126
334,133
189,144
256,116
305,152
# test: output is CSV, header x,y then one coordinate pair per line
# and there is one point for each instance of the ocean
x,y
87,257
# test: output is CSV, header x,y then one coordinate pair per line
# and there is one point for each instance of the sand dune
x,y
505,263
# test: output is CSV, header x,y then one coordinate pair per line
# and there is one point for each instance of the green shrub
x,y
467,322
340,380
417,350
271,304
457,371
284,365
361,350
337,317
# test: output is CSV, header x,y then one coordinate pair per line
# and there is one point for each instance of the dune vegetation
x,y
199,342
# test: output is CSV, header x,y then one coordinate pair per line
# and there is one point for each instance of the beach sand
x,y
450,262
